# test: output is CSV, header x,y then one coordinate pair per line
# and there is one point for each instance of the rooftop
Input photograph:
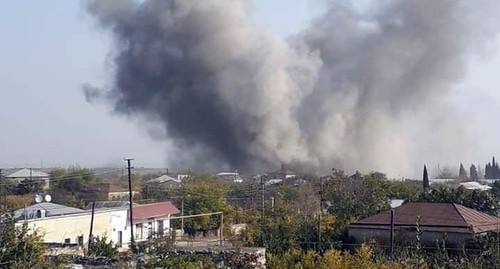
x,y
154,210
27,173
106,187
439,217
473,185
50,210
108,204
163,179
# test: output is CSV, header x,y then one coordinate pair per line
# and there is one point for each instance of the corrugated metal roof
x,y
26,173
154,210
472,185
443,217
50,210
163,179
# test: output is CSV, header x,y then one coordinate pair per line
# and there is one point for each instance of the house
x,y
30,174
106,191
165,181
230,176
454,222
66,226
282,174
152,219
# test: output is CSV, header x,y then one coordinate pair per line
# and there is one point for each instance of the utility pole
x,y
221,234
130,198
263,198
91,225
263,207
392,233
3,192
182,214
320,209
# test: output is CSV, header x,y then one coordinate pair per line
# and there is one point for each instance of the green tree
x,y
20,247
473,173
206,194
68,186
356,196
479,200
407,189
462,174
28,186
102,247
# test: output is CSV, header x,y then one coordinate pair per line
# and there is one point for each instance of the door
x,y
160,227
120,238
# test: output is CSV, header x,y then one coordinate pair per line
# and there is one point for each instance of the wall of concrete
x,y
361,235
60,229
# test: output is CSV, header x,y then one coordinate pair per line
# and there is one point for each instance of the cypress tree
x,y
425,179
462,174
487,171
473,173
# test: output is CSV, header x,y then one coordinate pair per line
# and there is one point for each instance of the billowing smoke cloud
x,y
344,92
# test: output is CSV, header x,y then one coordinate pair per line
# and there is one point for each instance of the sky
x,y
50,49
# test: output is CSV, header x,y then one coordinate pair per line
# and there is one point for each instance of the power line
x,y
64,177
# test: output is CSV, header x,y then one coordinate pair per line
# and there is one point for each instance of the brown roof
x,y
154,210
439,217
106,187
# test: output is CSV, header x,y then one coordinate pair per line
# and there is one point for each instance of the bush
x,y
101,247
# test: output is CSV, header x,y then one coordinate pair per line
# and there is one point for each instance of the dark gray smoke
x,y
345,92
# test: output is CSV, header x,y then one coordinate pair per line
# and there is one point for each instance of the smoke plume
x,y
347,91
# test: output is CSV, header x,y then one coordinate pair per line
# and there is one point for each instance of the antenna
x,y
48,198
38,198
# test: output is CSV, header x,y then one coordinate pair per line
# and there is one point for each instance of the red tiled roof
x,y
154,210
439,217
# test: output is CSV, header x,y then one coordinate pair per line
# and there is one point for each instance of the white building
x,y
61,225
230,176
30,174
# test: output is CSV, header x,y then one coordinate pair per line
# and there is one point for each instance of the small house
x,y
435,221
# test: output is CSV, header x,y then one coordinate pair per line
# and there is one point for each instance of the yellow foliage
x,y
18,201
331,259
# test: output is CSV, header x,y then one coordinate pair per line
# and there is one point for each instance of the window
x,y
80,240
67,241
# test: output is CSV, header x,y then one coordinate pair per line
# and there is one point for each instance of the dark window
x,y
120,238
67,241
80,240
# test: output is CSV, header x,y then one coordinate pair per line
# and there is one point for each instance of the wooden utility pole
x,y
320,209
130,199
221,234
91,225
262,214
263,186
392,233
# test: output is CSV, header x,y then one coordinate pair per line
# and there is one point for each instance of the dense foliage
x,y
102,247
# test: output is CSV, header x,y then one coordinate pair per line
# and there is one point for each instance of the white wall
x,y
151,226
119,224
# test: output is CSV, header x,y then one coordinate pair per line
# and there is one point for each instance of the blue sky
x,y
50,48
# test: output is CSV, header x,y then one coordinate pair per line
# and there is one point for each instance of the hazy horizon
x,y
54,49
